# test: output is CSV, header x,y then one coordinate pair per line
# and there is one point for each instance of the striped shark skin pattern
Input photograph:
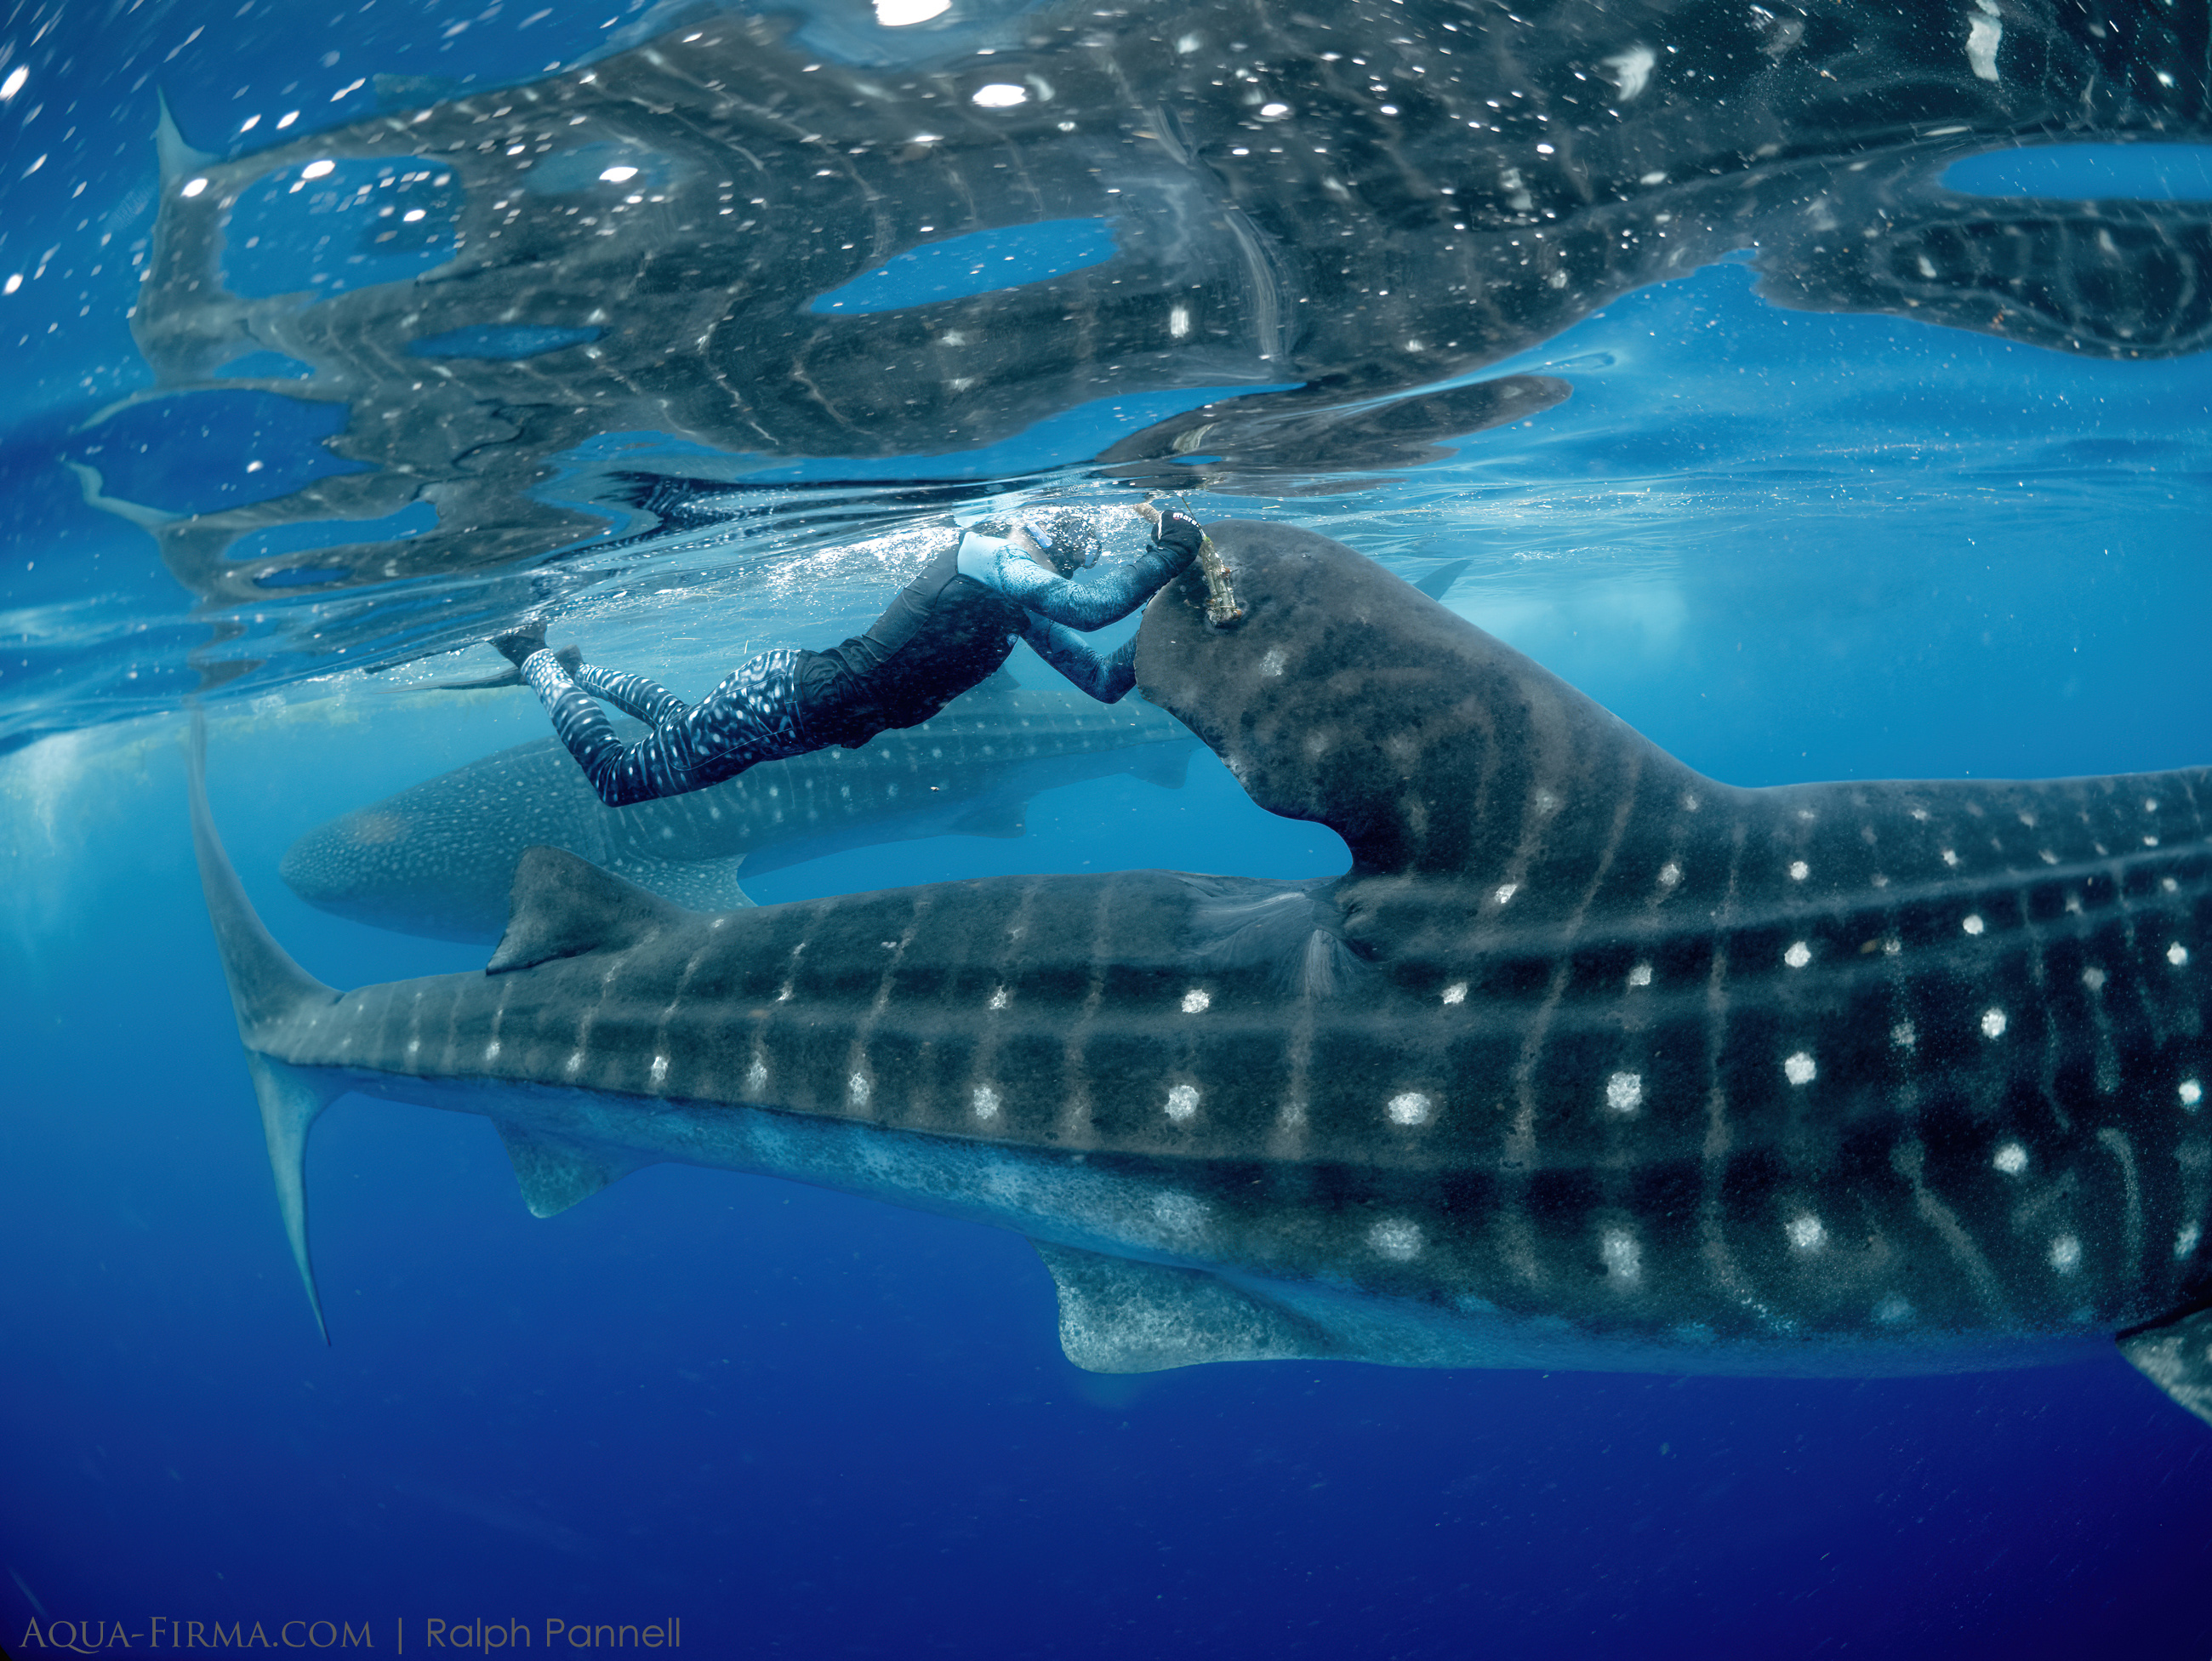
x,y
1587,1061
436,857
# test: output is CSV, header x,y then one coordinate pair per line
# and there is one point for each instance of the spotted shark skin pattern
x,y
1352,202
1587,1059
437,858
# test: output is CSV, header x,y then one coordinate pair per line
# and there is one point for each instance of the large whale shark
x,y
436,859
1327,210
1588,1061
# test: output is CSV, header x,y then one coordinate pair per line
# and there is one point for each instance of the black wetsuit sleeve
x,y
1106,678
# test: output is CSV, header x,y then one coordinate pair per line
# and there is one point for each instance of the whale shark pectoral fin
x,y
290,1102
554,1172
1438,583
561,906
1164,766
2176,1355
1001,820
1119,1316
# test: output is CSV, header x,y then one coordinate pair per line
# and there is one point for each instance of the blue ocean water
x,y
1783,545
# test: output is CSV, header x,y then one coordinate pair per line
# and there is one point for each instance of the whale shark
x,y
1318,222
436,857
1586,1061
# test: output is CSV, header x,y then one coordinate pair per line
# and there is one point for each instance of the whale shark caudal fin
x,y
561,906
1117,1315
2176,1355
265,985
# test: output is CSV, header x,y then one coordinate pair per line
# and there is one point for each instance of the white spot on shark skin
x,y
1806,814
1506,891
1183,1102
1951,858
1197,1000
1624,1092
1890,946
1921,813
1632,73
1973,924
1993,1023
1670,874
985,1101
1396,1239
999,999
1273,663
1798,955
2177,954
2184,1240
2191,1092
2011,1158
1800,1068
857,1088
491,1050
2066,1254
1179,1214
1690,803
1903,1035
1623,1256
1546,802
2168,885
757,1075
1984,34
2094,978
2150,841
659,1069
1455,993
1807,1232
1640,976
575,1063
1799,870
1178,322
414,1047
1893,1310
1410,1107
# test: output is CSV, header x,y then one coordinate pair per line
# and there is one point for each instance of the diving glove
x,y
1177,530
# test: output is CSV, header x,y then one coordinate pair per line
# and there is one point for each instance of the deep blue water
x,y
1784,545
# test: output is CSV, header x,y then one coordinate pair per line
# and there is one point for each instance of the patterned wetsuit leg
x,y
751,717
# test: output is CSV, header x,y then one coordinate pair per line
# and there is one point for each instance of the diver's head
x,y
1065,538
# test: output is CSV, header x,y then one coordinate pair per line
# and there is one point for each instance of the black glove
x,y
1179,531
517,646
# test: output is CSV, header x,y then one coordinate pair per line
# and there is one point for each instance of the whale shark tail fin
x,y
265,988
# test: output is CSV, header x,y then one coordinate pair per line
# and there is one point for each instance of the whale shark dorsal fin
x,y
554,1172
561,906
1117,1315
2176,1356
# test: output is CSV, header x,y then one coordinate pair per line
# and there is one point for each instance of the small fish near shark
x,y
436,859
1587,1061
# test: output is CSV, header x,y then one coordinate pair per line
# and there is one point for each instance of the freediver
x,y
999,581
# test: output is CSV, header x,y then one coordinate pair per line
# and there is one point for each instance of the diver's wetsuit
x,y
948,630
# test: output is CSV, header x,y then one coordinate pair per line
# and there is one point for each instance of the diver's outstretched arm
x,y
1107,678
1000,566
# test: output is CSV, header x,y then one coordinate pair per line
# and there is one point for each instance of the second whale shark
x,y
436,857
1588,1061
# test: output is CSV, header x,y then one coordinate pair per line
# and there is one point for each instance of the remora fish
x,y
437,858
1587,1062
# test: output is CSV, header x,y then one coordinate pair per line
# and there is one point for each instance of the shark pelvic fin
x,y
554,1172
2176,1355
561,906
1119,1316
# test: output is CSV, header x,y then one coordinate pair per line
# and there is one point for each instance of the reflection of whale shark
x,y
1587,1062
1353,201
437,858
